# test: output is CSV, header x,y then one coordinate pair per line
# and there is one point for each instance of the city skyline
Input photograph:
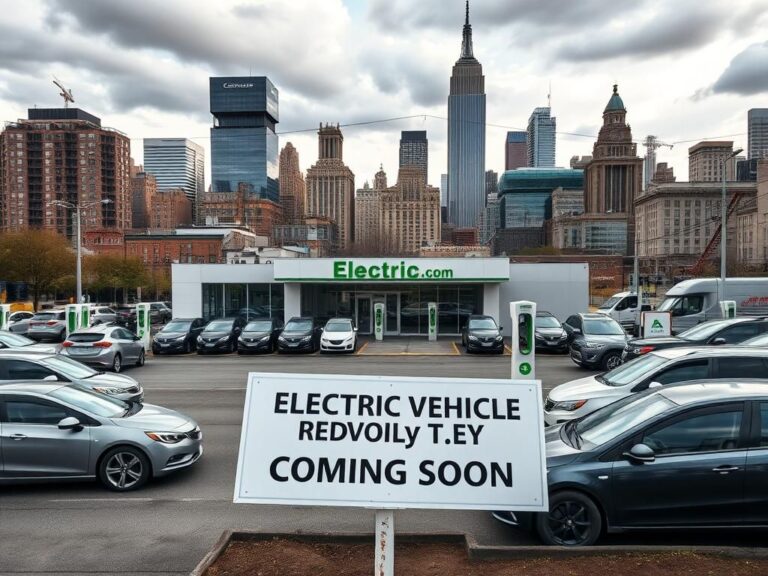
x,y
91,50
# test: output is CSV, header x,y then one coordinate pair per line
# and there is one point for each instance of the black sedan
x,y
220,335
712,333
178,335
259,335
481,334
685,456
301,334
549,334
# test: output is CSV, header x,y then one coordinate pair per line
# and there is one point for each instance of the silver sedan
x,y
107,346
66,431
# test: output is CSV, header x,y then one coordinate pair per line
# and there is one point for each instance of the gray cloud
x,y
747,73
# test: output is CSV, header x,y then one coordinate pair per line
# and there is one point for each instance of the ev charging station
x,y
77,317
432,312
5,316
728,308
143,324
523,344
379,312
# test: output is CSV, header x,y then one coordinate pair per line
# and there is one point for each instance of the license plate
x,y
164,345
487,343
551,343
293,344
210,344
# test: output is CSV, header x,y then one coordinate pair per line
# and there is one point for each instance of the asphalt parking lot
x,y
168,526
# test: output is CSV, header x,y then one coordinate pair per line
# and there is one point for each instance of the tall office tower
x,y
705,161
757,128
516,150
64,154
443,190
414,150
541,138
143,190
176,163
331,185
367,219
466,135
244,145
293,189
410,213
491,182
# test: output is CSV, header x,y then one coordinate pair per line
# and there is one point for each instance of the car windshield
x,y
176,326
45,316
70,368
610,303
15,340
601,327
219,326
547,322
482,324
703,331
298,325
668,304
632,370
338,326
757,341
259,326
89,401
607,423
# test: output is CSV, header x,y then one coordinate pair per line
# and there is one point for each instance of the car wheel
x,y
142,359
124,468
117,363
611,361
573,520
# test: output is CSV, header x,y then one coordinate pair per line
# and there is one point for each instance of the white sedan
x,y
339,335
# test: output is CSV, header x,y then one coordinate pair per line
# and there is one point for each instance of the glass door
x,y
363,315
392,325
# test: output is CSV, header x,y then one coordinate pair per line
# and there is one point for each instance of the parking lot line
x,y
363,347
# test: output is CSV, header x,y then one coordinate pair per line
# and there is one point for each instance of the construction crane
x,y
652,143
714,241
66,94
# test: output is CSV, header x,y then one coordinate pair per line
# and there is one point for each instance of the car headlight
x,y
569,405
167,437
538,336
499,338
264,338
593,345
180,338
107,390
306,338
472,337
224,338
199,338
281,338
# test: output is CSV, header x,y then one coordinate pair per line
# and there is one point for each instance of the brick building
x,y
143,190
104,241
170,209
293,190
317,233
240,209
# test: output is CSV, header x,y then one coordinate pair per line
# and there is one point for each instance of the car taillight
x,y
102,344
66,344
645,350
51,323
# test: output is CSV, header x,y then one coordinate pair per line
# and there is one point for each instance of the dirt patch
x,y
284,557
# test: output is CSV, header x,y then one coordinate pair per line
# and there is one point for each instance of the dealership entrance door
x,y
364,303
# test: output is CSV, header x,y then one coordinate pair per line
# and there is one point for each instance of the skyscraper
x,y
244,145
757,126
516,150
414,150
176,163
331,185
410,213
705,161
293,189
443,190
541,138
491,182
466,135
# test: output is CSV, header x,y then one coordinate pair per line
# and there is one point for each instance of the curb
x,y
474,550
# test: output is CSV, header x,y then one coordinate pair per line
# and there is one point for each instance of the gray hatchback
x,y
107,346
55,431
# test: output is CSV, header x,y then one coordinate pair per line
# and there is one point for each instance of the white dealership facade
x,y
350,287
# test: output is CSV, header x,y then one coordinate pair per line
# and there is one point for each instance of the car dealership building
x,y
328,287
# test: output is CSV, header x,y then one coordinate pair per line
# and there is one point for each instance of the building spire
x,y
466,40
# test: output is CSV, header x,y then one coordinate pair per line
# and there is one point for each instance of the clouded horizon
x,y
687,70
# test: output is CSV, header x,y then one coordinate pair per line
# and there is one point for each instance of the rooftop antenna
x,y
66,94
549,95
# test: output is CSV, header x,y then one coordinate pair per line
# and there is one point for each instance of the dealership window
x,y
247,300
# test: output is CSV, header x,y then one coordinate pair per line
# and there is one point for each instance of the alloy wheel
x,y
142,359
117,363
613,361
124,470
569,523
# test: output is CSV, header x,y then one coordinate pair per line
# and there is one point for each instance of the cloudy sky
x,y
686,69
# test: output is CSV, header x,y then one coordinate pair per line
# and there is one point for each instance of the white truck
x,y
623,307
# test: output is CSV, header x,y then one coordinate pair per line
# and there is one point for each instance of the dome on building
x,y
615,103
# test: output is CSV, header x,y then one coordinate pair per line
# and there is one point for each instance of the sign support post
x,y
385,543
432,311
379,312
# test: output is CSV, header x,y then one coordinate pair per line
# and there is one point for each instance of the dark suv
x,y
259,335
595,340
220,335
301,334
549,333
179,335
481,334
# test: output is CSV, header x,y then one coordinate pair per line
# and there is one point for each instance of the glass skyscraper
x,y
541,138
176,163
526,194
244,147
414,151
757,126
466,136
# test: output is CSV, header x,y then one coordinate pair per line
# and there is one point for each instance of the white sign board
x,y
656,324
386,442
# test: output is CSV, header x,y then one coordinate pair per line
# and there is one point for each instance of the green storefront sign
x,y
348,270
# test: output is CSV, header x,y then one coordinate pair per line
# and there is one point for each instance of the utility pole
x,y
723,222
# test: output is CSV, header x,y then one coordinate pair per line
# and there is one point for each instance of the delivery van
x,y
623,308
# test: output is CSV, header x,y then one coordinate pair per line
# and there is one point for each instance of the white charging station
x,y
5,316
728,308
74,317
432,315
143,324
379,313
523,345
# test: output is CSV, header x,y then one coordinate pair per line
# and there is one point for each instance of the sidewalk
x,y
409,346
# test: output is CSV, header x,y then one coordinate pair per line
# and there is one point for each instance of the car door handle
x,y
18,436
725,469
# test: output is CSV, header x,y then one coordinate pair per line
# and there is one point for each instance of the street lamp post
x,y
78,239
723,223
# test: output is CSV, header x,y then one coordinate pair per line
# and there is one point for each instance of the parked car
x,y
757,342
549,334
125,316
220,335
683,456
481,334
301,334
18,322
712,333
159,313
102,315
179,335
339,335
67,431
106,346
48,325
595,340
15,341
21,365
259,335
580,397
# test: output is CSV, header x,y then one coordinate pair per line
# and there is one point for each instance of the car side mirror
x,y
136,338
354,329
640,454
501,328
718,341
70,423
